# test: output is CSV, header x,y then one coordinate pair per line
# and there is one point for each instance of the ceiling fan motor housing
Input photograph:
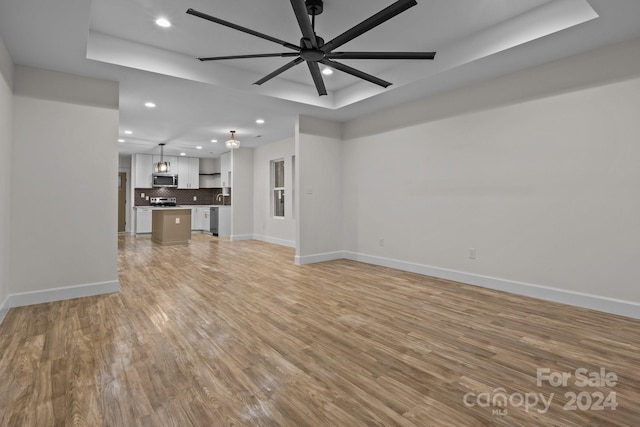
x,y
313,55
314,7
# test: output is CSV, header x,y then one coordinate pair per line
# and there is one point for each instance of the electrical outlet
x,y
177,220
472,253
195,198
142,195
381,242
147,198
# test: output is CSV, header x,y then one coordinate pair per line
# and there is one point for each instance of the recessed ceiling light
x,y
163,22
260,121
327,71
198,148
214,140
150,105
128,132
183,154
121,140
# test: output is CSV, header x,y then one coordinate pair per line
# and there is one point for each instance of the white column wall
x,y
6,125
266,227
242,194
64,193
318,165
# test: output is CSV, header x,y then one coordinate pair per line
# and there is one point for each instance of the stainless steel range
x,y
163,201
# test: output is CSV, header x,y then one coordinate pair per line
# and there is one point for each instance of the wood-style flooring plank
x,y
221,333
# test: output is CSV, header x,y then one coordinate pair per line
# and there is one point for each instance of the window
x,y
277,184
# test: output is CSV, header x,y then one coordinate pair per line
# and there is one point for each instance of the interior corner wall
x,y
318,206
275,230
64,192
242,194
6,132
545,192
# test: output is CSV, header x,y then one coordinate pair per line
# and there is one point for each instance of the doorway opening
x,y
122,201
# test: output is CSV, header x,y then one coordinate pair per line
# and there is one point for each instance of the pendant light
x,y
233,142
162,166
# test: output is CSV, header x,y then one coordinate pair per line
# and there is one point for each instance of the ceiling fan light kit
x,y
314,51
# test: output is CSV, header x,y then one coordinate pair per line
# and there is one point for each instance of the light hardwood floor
x,y
226,333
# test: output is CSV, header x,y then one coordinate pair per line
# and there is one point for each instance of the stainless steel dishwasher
x,y
213,221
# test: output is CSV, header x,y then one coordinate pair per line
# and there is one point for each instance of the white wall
x,y
265,226
593,68
546,191
6,125
63,198
318,208
242,194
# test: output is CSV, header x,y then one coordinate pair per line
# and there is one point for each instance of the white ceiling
x,y
198,101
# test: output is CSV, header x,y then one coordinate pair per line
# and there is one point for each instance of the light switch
x,y
177,220
142,195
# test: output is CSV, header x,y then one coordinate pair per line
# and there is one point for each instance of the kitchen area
x,y
172,197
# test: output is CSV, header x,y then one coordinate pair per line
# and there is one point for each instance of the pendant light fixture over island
x,y
162,166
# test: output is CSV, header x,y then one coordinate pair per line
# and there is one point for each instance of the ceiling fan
x,y
314,50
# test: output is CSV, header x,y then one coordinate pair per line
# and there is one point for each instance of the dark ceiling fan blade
x,y
317,77
355,72
303,21
366,25
243,29
380,55
279,71
258,55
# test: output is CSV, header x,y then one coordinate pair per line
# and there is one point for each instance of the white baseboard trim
x,y
310,259
275,240
579,299
238,237
58,294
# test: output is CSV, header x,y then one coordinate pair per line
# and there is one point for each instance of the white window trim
x,y
274,189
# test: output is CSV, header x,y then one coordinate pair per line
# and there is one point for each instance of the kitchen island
x,y
171,226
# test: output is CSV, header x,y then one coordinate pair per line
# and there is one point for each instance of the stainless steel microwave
x,y
165,180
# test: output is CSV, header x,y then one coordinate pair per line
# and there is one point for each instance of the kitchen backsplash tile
x,y
205,196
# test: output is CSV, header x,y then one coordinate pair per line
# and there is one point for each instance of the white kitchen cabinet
x,y
194,172
225,169
142,169
188,173
203,217
194,219
200,218
143,220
